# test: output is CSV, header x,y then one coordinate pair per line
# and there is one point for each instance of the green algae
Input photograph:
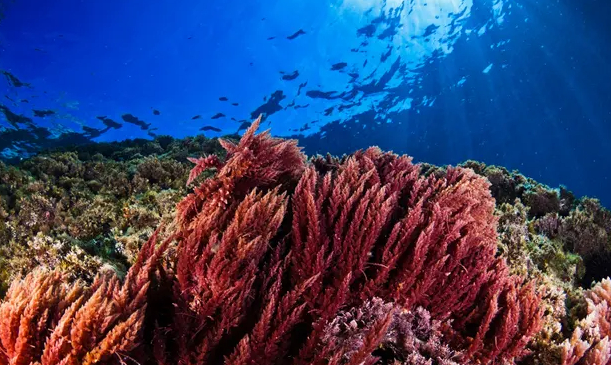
x,y
92,206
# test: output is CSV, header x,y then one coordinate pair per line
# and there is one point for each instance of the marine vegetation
x,y
274,258
84,208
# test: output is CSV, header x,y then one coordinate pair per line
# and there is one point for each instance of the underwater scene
x,y
418,182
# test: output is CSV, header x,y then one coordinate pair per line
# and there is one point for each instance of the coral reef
x,y
48,321
590,341
271,251
410,337
562,241
273,258
99,203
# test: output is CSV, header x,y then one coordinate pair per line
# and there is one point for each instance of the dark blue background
x,y
523,84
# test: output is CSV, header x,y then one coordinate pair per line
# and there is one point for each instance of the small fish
x,y
244,126
109,122
296,34
292,76
209,128
92,132
42,113
196,117
338,66
129,118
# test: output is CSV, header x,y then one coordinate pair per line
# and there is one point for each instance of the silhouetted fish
x,y
109,122
133,120
209,128
92,132
338,66
296,34
13,80
42,113
244,126
292,76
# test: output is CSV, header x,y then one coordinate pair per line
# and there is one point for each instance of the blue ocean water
x,y
525,84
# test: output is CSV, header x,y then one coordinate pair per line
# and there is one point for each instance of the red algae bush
x,y
281,260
